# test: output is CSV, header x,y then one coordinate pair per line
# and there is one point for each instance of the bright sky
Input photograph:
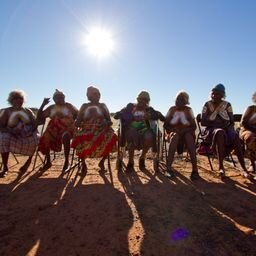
x,y
154,45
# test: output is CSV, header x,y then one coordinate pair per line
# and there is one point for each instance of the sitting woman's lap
x,y
138,139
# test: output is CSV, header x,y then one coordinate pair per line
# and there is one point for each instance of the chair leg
x,y
17,161
37,154
210,162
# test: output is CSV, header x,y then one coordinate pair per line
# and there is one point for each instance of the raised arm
x,y
42,114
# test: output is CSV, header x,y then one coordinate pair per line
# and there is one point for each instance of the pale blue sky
x,y
162,47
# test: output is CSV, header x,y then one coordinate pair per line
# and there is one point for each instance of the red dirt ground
x,y
142,213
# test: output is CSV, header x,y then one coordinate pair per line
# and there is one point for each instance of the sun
x,y
99,42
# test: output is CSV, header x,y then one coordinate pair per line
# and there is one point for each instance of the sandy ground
x,y
115,213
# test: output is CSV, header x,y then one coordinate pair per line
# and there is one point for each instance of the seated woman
x,y
95,137
248,131
137,120
18,130
60,128
180,126
220,135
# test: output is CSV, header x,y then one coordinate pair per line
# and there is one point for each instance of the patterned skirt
x,y
52,137
19,145
94,140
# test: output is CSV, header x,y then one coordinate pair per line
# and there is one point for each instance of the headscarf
x,y
91,90
57,93
184,95
220,88
143,95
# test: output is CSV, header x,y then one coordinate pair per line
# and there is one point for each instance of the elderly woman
x,y
248,131
180,127
95,137
139,121
217,116
60,128
18,130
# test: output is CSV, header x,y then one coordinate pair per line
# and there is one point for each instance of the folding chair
x,y
122,144
43,124
203,149
37,153
15,158
76,162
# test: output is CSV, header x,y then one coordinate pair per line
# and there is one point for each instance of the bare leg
x,y
174,140
240,156
48,163
190,143
253,164
5,157
130,165
148,141
220,144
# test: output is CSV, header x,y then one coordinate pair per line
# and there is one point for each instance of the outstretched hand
x,y
46,101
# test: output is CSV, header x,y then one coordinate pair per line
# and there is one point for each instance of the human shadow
x,y
178,218
61,216
235,202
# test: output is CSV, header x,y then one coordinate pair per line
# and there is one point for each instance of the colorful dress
x,y
95,137
61,122
19,134
219,117
141,121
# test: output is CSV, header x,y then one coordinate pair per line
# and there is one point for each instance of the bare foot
x,y
4,172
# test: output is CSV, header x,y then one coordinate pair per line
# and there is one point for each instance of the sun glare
x,y
99,42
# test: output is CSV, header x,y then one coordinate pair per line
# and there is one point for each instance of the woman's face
x,y
59,99
180,102
17,101
93,97
141,102
216,96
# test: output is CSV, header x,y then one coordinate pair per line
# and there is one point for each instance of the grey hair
x,y
15,93
184,95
